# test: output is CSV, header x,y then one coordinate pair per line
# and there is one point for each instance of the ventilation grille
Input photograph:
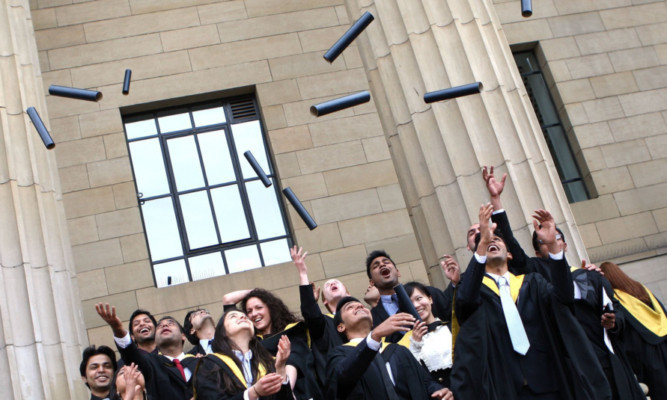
x,y
243,109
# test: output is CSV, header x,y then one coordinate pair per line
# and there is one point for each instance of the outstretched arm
x,y
233,298
312,315
561,278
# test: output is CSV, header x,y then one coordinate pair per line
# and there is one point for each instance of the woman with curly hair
x,y
645,332
240,367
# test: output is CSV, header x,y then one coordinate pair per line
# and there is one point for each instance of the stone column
x,y
41,331
418,46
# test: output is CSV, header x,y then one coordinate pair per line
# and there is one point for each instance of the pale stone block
x,y
353,58
402,249
617,250
278,24
644,102
335,156
104,253
347,260
589,234
73,178
588,66
648,173
115,145
126,277
641,199
391,197
576,113
190,38
278,92
61,77
80,152
221,12
107,73
88,202
614,84
660,217
92,284
244,51
346,206
574,7
651,78
627,60
634,16
109,172
257,8
575,91
640,126
151,6
375,227
65,129
594,158
603,109
652,34
93,11
612,180
82,230
593,210
321,39
338,82
100,123
661,51
110,50
125,304
44,61
558,71
657,145
625,153
125,195
556,49
287,165
49,3
625,228
360,177
134,247
64,107
576,24
520,32
376,149
603,42
324,237
290,139
119,223
591,135
345,129
302,65
44,19
59,37
308,186
507,12
274,116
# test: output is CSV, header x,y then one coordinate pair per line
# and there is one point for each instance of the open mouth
x,y
385,272
102,378
144,331
257,320
492,247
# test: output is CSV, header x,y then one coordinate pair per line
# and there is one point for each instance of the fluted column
x,y
418,46
41,329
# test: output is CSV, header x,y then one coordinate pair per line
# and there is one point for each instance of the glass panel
x,y
242,259
173,123
526,62
541,99
198,220
265,210
185,163
209,116
206,266
248,136
576,191
140,129
148,167
217,159
164,240
275,252
560,150
229,213
173,269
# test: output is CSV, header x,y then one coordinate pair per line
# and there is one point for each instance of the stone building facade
x,y
394,173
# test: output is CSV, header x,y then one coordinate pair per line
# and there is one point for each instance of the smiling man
x,y
142,329
97,368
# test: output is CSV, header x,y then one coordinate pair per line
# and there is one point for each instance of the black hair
x,y
187,326
338,318
497,232
536,243
169,317
91,351
375,254
411,286
138,312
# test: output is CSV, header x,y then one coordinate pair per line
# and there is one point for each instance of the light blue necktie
x,y
518,335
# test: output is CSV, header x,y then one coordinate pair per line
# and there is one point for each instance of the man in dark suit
x,y
167,373
199,329
97,368
363,369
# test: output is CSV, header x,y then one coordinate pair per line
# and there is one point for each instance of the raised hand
x,y
316,291
494,187
132,386
444,394
419,330
451,268
108,314
299,259
545,227
267,385
486,228
399,322
591,267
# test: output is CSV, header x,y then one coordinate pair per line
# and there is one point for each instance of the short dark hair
x,y
169,317
91,351
411,286
375,254
497,232
187,326
338,318
135,314
536,243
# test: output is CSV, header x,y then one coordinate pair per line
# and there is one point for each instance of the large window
x,y
552,127
205,211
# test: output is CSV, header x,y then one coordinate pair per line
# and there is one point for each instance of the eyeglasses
x,y
166,323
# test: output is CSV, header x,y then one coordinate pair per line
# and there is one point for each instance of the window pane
x,y
173,123
206,266
148,167
210,116
560,150
242,259
161,229
275,252
576,191
174,269
265,210
185,163
539,95
229,213
248,136
216,156
198,220
140,129
526,62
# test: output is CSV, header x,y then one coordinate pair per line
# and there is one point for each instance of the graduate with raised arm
x,y
518,337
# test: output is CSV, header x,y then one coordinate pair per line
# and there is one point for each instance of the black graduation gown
x,y
588,311
163,380
357,372
300,357
208,383
197,349
646,351
559,359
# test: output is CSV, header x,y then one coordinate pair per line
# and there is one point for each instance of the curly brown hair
x,y
281,316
